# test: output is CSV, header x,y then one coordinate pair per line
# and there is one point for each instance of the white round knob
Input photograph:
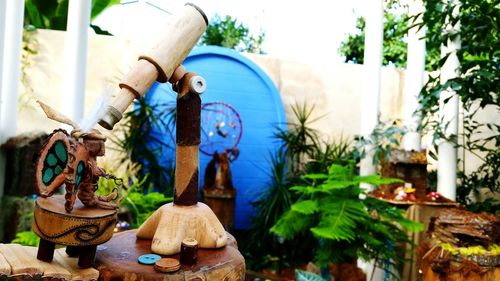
x,y
197,85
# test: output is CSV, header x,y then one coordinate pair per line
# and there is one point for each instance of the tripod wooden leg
x,y
46,250
87,256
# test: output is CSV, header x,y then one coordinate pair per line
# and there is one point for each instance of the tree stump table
x,y
81,230
117,260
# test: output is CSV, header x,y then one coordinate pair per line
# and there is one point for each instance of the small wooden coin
x,y
167,265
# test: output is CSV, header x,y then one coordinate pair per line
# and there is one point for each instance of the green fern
x,y
345,226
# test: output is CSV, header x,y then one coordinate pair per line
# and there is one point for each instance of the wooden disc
x,y
167,265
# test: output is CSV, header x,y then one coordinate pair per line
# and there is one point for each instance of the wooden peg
x,y
189,250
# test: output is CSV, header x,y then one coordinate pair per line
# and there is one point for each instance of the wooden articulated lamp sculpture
x,y
185,217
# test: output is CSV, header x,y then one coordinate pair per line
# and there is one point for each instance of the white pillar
x,y
3,6
75,57
11,74
414,77
374,31
448,113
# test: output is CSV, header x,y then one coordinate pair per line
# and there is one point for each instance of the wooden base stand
x,y
81,230
118,261
171,224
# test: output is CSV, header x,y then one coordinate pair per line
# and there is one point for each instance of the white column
x,y
75,57
374,31
448,113
3,6
11,74
414,77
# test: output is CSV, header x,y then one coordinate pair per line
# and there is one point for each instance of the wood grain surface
x,y
117,260
19,263
83,226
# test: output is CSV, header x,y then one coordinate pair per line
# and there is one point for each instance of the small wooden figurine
x,y
70,161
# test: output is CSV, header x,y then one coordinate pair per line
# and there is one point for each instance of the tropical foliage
x,y
227,32
53,14
142,144
302,151
477,86
345,226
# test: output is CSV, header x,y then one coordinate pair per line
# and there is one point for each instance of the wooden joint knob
x,y
197,85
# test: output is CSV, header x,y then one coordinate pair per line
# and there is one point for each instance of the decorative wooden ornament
x,y
82,229
167,265
52,163
185,217
189,249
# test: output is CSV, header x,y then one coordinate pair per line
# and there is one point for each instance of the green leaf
x,y
315,176
291,224
339,171
301,275
339,220
377,180
306,207
98,6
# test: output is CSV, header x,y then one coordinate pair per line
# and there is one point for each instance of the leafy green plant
x,y
53,14
301,152
299,140
476,87
229,33
139,198
265,249
142,205
396,24
345,226
142,146
26,238
385,137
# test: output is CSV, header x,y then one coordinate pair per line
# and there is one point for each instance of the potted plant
x,y
346,223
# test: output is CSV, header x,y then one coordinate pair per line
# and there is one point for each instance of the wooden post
x,y
186,217
187,140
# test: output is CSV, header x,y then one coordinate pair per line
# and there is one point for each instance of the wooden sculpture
x,y
185,217
70,161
